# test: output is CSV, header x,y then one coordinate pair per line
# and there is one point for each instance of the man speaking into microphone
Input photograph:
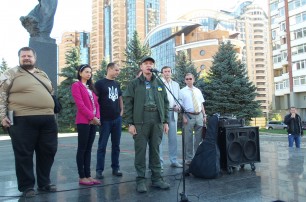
x,y
147,106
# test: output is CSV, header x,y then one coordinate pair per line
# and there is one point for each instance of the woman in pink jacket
x,y
87,119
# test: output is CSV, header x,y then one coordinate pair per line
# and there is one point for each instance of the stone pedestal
x,y
46,50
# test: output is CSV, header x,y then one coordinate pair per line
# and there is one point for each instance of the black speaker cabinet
x,y
238,146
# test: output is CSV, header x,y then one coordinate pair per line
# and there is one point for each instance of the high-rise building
x,y
245,26
115,21
70,40
254,32
288,32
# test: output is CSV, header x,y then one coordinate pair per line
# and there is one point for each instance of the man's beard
x,y
27,66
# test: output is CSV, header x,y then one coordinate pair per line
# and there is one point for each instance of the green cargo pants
x,y
150,132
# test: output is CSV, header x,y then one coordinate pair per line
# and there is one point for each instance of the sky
x,y
75,15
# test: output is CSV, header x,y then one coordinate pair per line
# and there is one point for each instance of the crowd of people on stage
x,y
150,104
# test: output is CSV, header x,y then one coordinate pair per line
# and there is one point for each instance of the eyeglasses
x,y
188,79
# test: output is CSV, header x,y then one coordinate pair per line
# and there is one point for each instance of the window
x,y
273,34
296,81
273,6
282,26
202,52
281,11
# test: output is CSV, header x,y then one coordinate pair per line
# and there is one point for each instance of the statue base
x,y
46,50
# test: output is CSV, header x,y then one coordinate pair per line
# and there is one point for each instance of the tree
x,y
3,66
134,52
101,73
67,115
183,66
228,89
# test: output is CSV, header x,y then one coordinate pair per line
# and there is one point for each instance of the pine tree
x,y
101,73
183,66
67,115
228,89
3,66
134,52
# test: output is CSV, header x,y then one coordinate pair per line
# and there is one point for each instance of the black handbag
x,y
57,104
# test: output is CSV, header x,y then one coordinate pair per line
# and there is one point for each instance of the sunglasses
x,y
188,79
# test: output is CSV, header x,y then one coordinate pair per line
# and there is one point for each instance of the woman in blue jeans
x,y
87,119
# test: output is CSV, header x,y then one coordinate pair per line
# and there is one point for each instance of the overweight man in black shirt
x,y
111,110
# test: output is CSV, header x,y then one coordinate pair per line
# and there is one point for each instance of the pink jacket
x,y
83,103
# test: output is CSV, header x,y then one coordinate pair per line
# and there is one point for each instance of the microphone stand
x,y
183,195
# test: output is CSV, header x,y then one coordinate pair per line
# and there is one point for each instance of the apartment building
x,y
288,33
253,27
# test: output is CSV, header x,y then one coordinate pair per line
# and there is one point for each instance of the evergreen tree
x,y
101,73
134,52
67,115
228,90
183,66
3,66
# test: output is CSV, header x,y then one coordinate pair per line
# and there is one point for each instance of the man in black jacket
x,y
295,131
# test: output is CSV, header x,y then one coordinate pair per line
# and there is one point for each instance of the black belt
x,y
194,113
150,109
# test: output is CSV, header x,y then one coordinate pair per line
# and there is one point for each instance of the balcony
x,y
281,78
299,72
281,92
277,65
284,62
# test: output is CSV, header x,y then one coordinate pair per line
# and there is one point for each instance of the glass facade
x,y
84,47
131,18
152,13
240,9
163,54
107,32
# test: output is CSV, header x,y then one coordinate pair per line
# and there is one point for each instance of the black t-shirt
x,y
108,92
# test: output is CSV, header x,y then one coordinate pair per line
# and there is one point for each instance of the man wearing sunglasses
x,y
192,100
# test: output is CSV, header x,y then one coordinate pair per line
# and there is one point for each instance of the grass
x,y
274,131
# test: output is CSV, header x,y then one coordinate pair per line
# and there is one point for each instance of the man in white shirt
x,y
192,100
173,114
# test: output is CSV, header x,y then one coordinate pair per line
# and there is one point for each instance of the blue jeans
x,y
107,128
296,138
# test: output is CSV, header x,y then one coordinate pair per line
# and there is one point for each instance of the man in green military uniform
x,y
147,106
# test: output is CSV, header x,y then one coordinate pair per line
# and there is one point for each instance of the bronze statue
x,y
39,22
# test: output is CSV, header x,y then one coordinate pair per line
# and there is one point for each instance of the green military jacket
x,y
134,100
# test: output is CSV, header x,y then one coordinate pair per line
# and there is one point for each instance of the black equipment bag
x,y
206,162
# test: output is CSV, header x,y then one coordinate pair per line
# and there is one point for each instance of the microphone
x,y
154,70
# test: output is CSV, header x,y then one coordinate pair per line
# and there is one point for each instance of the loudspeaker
x,y
238,146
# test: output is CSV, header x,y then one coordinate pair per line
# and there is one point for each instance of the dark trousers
x,y
29,134
86,137
108,128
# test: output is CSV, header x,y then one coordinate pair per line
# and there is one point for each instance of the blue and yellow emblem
x,y
159,88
